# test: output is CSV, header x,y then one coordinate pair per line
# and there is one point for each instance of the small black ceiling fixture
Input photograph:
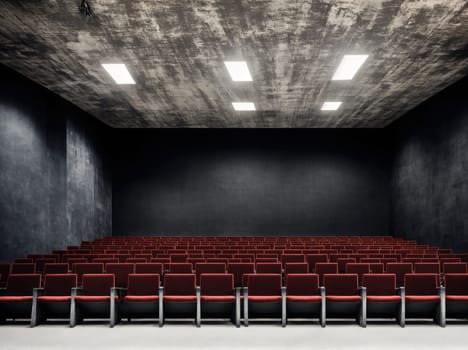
x,y
85,9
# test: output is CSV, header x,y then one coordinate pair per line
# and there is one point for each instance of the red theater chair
x,y
292,258
325,268
312,259
456,287
358,268
218,298
209,268
120,272
424,298
455,267
383,299
23,268
426,268
185,268
143,298
87,268
304,298
94,299
238,270
150,268
400,270
54,300
264,298
180,296
55,268
16,299
343,299
295,267
268,268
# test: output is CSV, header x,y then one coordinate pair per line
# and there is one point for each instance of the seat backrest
x,y
24,260
55,268
289,258
121,272
296,267
59,284
454,267
22,284
238,270
179,284
264,284
42,261
72,261
399,269
302,284
341,284
323,268
312,259
376,267
216,284
90,268
97,284
178,258
379,284
150,268
180,268
426,267
136,260
358,268
210,268
342,262
143,284
23,268
268,268
421,284
456,283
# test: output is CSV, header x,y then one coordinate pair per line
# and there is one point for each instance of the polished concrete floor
x,y
220,336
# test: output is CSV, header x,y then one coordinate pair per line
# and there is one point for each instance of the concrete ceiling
x,y
175,51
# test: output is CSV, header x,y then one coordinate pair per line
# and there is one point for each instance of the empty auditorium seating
x,y
238,270
423,297
400,269
455,267
343,299
264,298
304,298
180,268
425,267
87,268
16,299
295,267
383,299
55,268
93,299
218,298
208,268
324,268
143,298
151,268
180,296
358,268
268,268
290,258
54,300
312,259
456,289
23,268
120,272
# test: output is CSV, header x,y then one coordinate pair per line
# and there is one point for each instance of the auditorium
x,y
234,174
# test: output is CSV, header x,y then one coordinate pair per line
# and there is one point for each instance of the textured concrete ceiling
x,y
175,51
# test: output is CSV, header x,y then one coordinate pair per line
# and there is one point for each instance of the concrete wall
x,y
263,181
55,185
430,171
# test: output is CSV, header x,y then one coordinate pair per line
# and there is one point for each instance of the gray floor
x,y
220,336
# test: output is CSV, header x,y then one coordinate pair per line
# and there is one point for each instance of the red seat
x,y
325,268
180,268
264,297
455,267
54,300
120,272
292,258
87,268
178,258
209,268
427,267
400,270
143,298
268,268
312,259
55,268
422,298
94,299
456,288
16,299
383,299
238,270
342,296
151,268
295,267
23,268
358,268
218,297
304,298
180,296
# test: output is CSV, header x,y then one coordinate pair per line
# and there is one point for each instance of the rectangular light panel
x,y
349,66
331,106
238,70
243,106
118,72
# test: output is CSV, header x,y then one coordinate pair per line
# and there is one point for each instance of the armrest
x,y
322,291
76,291
401,291
161,291
362,291
283,291
37,292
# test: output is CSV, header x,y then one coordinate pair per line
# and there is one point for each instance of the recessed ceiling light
x,y
349,66
118,72
243,106
238,70
331,106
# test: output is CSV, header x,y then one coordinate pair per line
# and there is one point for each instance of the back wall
x,y
247,182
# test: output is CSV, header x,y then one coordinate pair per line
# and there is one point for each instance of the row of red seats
x,y
264,297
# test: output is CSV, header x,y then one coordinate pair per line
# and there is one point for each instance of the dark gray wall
x,y
244,181
430,171
55,185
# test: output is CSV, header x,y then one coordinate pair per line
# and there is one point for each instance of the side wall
x,y
55,185
247,182
430,171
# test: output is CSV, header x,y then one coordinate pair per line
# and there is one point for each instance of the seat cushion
x,y
178,298
457,297
54,298
422,298
265,298
218,298
383,298
304,298
14,298
344,298
93,298
141,298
